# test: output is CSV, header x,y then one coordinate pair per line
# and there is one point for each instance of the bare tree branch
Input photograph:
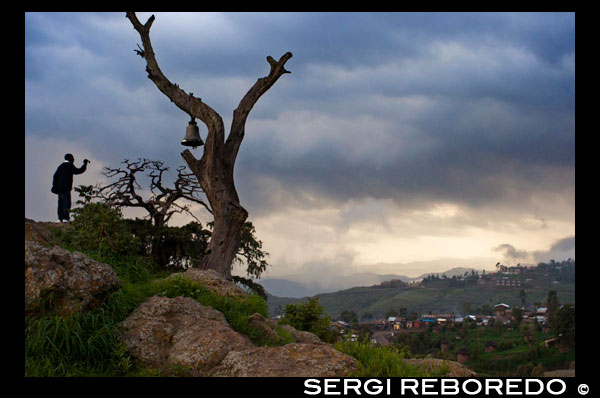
x,y
186,102
122,193
240,114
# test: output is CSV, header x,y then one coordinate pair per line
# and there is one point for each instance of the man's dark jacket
x,y
63,177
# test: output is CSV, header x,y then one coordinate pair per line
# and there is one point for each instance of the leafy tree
x,y
251,251
564,324
467,308
177,247
552,306
517,315
308,316
522,297
99,228
486,309
349,316
391,312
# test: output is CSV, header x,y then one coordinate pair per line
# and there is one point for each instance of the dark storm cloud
x,y
567,243
559,250
471,108
511,253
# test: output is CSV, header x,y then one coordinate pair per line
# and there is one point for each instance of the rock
x,y
74,280
302,336
269,327
213,281
432,364
290,360
260,322
170,333
560,373
37,233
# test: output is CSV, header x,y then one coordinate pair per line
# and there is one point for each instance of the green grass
x,y
383,361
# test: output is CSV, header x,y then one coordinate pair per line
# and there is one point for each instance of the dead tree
x,y
162,203
214,169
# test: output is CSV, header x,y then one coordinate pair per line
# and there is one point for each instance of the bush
x,y
99,229
176,247
308,316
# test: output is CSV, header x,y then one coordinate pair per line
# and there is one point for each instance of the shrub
x,y
100,229
308,316
176,247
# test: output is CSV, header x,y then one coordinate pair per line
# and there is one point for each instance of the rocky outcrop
x,y
260,322
72,281
268,326
180,333
291,360
37,233
301,336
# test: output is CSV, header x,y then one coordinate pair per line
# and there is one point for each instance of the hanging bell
x,y
192,135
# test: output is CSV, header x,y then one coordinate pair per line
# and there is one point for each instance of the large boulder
x,y
180,333
290,360
72,280
181,336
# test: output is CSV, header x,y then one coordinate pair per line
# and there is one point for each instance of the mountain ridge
x,y
285,287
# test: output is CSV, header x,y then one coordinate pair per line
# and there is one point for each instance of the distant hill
x,y
284,287
287,288
290,288
442,295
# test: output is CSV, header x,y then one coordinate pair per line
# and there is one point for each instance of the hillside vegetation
x,y
447,295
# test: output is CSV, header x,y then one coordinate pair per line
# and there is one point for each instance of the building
x,y
394,322
416,324
500,310
378,324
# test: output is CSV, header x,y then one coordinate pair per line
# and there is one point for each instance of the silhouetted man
x,y
62,183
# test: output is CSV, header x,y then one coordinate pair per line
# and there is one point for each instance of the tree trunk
x,y
217,182
215,169
159,219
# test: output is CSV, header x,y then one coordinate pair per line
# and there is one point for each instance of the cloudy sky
x,y
398,137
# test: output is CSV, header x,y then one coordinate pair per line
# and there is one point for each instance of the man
x,y
62,183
